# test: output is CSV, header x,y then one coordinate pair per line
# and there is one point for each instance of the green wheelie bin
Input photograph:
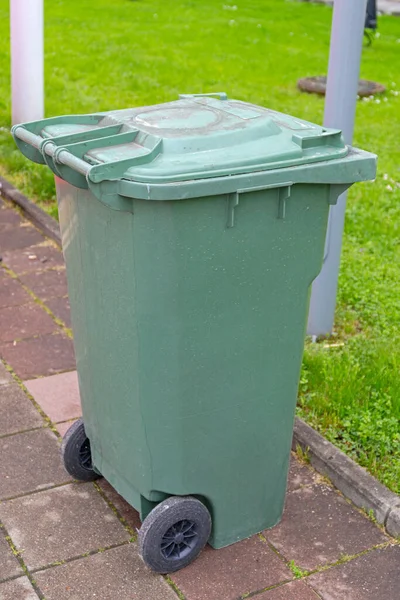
x,y
192,232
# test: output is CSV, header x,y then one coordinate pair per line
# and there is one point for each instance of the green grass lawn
x,y
114,54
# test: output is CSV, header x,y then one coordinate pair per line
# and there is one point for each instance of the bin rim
x,y
109,154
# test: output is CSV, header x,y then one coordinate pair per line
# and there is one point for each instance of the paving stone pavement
x,y
63,540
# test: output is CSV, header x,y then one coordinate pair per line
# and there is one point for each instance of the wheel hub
x,y
179,540
85,455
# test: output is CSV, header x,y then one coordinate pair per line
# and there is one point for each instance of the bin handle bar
x,y
69,160
60,155
26,136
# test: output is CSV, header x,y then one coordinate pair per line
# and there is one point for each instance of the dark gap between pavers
x,y
125,510
5,376
65,561
115,573
42,295
60,309
57,395
28,462
319,526
17,238
46,284
62,428
18,589
373,576
295,590
24,321
20,561
33,258
18,381
11,291
230,572
44,488
17,412
9,565
61,523
40,356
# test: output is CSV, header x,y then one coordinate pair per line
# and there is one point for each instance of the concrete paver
x,y
228,573
126,511
300,476
61,523
9,218
319,526
13,238
296,590
374,576
17,589
62,428
9,565
33,258
27,320
17,411
116,573
11,291
60,309
57,395
29,462
46,284
5,376
39,356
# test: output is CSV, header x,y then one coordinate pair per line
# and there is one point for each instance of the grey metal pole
x,y
340,108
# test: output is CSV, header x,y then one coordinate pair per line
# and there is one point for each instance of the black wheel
x,y
174,533
76,454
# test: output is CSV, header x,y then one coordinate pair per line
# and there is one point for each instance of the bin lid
x,y
195,137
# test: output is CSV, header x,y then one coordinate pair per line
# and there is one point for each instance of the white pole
x,y
27,78
340,108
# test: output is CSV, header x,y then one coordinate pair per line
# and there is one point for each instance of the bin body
x,y
188,311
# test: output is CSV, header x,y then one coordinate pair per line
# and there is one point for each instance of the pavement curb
x,y
353,481
31,211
